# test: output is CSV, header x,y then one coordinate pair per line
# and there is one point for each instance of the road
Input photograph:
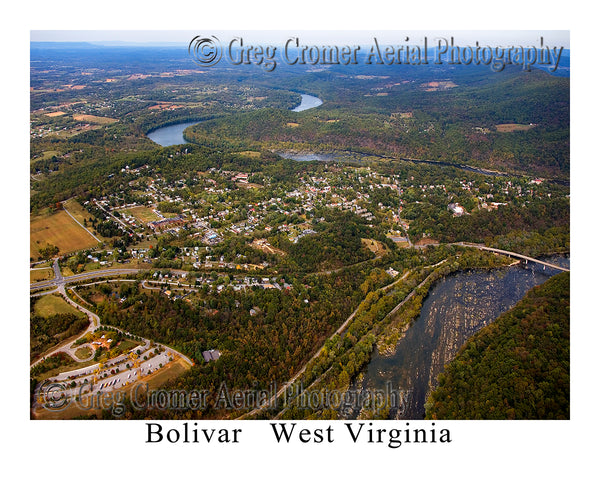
x,y
302,370
58,277
59,280
59,283
103,378
113,375
69,347
391,313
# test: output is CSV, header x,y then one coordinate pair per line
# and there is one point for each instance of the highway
x,y
499,251
59,280
92,377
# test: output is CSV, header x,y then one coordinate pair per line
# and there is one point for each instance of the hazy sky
x,y
462,37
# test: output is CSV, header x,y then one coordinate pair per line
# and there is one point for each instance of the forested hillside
x,y
517,367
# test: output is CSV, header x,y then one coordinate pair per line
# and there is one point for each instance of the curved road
x,y
68,347
59,282
403,302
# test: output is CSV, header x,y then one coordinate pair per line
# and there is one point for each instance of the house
x,y
209,355
391,272
241,177
456,209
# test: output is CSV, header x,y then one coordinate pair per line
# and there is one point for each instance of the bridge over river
x,y
512,254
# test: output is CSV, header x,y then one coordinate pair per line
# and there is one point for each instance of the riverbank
x,y
424,336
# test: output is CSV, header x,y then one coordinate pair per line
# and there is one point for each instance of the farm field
x,y
80,215
94,119
57,229
77,210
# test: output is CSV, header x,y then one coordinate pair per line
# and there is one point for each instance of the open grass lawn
x,y
49,305
40,275
46,155
375,246
126,345
72,365
250,153
83,353
168,372
143,214
57,229
78,211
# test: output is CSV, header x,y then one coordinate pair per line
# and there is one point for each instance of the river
x,y
457,306
173,134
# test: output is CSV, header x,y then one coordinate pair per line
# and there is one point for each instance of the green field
x,y
169,371
49,305
83,353
126,345
63,368
143,214
94,119
41,274
46,155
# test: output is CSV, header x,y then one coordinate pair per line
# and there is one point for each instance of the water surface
x,y
308,101
171,135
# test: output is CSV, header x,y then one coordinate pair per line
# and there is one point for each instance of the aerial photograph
x,y
299,225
